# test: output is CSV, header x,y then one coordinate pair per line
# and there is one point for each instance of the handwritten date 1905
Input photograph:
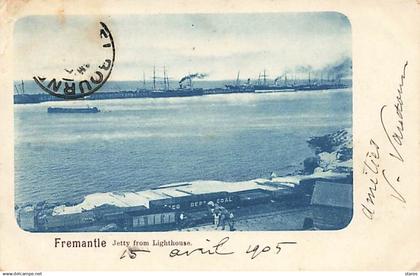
x,y
257,250
221,249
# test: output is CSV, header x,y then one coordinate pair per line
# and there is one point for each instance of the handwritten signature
x,y
395,136
220,248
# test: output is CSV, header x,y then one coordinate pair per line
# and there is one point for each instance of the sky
x,y
218,45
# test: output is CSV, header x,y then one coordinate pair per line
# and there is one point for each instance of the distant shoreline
x,y
175,93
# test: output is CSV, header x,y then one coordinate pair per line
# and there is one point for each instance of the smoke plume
x,y
193,76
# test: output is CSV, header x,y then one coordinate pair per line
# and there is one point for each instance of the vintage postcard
x,y
173,135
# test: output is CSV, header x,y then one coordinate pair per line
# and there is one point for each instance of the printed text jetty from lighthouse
x,y
78,81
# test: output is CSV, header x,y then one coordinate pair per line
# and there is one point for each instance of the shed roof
x,y
332,194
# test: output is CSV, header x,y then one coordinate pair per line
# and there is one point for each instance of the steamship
x,y
73,110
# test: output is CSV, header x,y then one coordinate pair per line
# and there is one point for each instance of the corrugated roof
x,y
332,194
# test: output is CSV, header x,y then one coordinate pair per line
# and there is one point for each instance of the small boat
x,y
73,110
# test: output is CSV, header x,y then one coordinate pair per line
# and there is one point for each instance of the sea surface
x,y
135,144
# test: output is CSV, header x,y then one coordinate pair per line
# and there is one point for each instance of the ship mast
x,y
265,78
21,90
154,78
165,79
144,80
237,79
17,89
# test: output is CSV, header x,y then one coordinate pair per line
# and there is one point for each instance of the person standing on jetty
x,y
216,218
231,222
212,210
220,214
215,210
181,221
224,217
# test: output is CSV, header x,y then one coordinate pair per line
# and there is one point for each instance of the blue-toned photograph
x,y
183,122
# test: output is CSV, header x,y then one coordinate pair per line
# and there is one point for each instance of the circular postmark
x,y
85,78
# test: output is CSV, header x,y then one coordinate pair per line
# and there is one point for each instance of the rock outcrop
x,y
334,152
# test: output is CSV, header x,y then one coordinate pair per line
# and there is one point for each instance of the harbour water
x,y
136,144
